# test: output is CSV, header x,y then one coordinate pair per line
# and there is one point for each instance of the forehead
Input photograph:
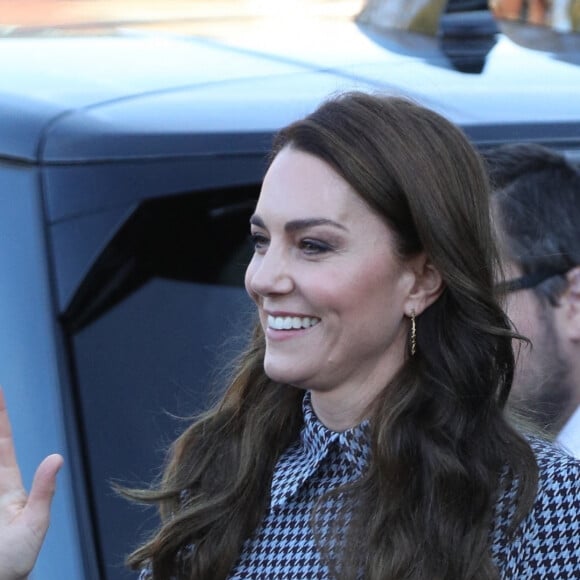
x,y
304,185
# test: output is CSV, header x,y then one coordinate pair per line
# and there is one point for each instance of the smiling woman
x,y
322,255
363,433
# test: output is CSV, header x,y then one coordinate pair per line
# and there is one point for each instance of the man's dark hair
x,y
537,203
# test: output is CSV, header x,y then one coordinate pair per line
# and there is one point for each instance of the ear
x,y
569,304
427,287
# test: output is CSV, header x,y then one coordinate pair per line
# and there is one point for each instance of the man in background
x,y
536,204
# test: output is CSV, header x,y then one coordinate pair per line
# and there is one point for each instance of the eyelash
x,y
258,241
313,247
307,245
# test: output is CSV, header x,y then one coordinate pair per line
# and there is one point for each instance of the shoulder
x,y
558,486
551,531
559,473
548,538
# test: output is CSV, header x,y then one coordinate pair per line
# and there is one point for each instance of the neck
x,y
341,411
346,404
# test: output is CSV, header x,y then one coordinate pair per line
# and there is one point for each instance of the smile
x,y
291,322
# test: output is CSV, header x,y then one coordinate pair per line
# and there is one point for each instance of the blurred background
x,y
190,14
193,16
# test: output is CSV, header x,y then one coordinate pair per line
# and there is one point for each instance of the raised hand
x,y
23,519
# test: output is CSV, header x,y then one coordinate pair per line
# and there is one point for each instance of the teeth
x,y
291,322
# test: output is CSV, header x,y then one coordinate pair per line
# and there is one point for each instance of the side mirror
x,y
413,15
464,31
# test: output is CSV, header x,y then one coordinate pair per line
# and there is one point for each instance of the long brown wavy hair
x,y
440,436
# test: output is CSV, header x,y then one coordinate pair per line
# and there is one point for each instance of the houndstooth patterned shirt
x,y
546,547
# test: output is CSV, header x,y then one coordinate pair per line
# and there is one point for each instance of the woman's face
x,y
330,290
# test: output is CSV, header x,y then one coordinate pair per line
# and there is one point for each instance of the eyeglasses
x,y
529,280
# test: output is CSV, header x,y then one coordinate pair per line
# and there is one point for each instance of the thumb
x,y
37,510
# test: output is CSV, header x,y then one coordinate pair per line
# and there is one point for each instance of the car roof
x,y
144,94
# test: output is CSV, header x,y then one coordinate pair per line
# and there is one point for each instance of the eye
x,y
314,247
259,241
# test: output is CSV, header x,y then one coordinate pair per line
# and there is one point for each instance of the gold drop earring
x,y
413,333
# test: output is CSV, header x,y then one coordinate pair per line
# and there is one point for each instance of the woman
x,y
364,432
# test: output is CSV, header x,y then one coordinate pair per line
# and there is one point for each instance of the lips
x,y
291,322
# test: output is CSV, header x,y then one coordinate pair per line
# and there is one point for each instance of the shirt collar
x,y
303,458
353,443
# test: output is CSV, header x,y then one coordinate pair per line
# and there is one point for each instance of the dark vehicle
x,y
129,163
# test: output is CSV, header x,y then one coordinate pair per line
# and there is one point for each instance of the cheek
x,y
370,293
385,283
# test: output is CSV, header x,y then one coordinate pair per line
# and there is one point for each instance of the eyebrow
x,y
297,225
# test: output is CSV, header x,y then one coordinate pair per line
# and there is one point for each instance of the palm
x,y
23,519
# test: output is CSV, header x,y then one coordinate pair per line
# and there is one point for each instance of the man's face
x,y
541,384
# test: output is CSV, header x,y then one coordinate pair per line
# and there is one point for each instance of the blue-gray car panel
x,y
29,369
111,185
51,77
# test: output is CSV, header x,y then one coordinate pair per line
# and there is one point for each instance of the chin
x,y
283,374
279,375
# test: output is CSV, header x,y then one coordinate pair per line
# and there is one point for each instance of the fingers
x,y
37,510
10,479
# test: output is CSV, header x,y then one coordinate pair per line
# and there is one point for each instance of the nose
x,y
269,274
